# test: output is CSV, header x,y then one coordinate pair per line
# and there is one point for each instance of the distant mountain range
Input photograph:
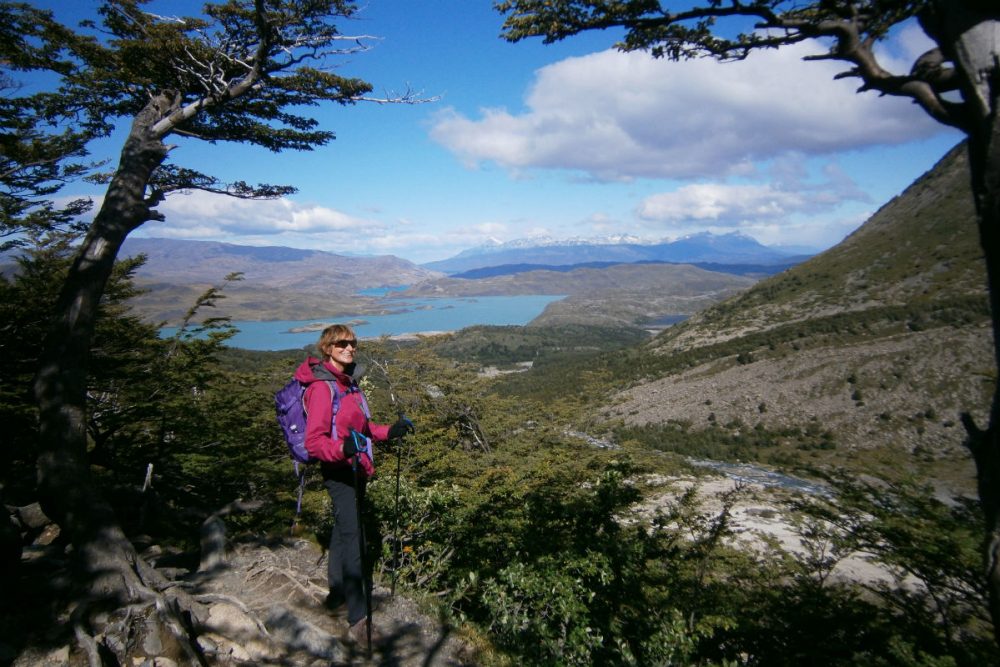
x,y
290,283
278,283
207,262
727,249
514,269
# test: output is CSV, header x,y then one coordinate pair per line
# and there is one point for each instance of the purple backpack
x,y
290,407
291,411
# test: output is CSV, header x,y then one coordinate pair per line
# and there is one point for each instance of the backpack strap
x,y
302,484
362,403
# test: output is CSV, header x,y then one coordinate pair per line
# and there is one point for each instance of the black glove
x,y
400,428
351,444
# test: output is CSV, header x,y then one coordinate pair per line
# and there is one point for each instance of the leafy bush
x,y
544,607
506,345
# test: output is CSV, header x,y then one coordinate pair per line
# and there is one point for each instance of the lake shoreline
x,y
407,321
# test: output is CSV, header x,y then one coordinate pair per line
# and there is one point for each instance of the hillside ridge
x,y
876,345
921,246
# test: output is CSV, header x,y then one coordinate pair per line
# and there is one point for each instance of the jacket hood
x,y
314,370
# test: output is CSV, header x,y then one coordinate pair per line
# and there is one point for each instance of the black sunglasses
x,y
344,343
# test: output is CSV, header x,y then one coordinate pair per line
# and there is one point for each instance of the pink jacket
x,y
320,442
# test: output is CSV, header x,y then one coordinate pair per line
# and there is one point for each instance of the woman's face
x,y
341,352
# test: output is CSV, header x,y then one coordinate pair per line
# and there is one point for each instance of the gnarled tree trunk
x,y
103,555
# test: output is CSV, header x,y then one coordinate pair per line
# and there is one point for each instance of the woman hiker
x,y
345,463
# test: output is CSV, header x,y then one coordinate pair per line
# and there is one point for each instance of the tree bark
x,y
984,154
106,559
968,32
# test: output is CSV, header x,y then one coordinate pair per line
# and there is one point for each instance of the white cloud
x,y
717,202
204,216
818,233
228,215
284,222
622,115
788,192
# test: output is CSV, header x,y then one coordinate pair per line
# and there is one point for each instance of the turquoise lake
x,y
407,316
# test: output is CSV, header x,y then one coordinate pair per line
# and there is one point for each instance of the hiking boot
x,y
358,633
335,603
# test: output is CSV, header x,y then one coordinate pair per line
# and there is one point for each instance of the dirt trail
x,y
278,582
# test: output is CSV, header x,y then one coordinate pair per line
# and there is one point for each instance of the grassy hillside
x,y
678,279
863,356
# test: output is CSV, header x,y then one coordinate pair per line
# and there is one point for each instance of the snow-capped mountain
x,y
734,248
495,245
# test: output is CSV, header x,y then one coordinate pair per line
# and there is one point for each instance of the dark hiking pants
x,y
344,572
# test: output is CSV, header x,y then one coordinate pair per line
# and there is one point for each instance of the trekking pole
x,y
361,546
398,540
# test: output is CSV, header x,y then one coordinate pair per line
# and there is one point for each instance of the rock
x,y
218,645
265,607
157,662
230,620
49,534
213,544
237,633
173,573
32,516
144,636
300,635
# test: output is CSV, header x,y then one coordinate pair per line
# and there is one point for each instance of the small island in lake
x,y
319,326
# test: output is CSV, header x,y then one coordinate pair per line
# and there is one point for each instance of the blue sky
x,y
566,140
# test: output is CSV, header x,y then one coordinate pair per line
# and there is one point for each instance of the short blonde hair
x,y
331,335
